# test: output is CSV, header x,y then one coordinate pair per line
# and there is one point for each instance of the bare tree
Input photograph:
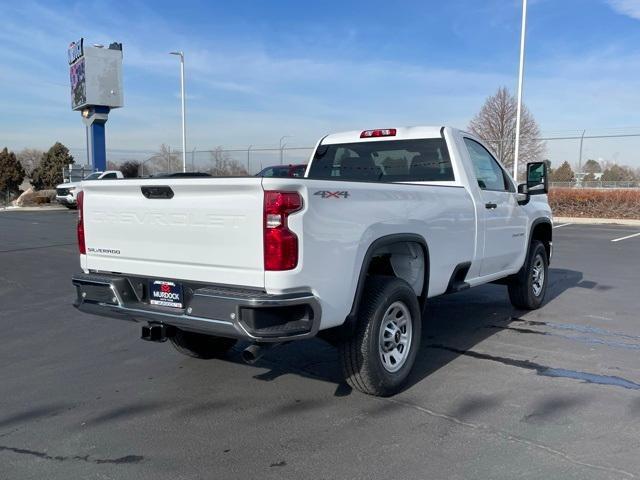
x,y
29,159
163,161
496,125
224,165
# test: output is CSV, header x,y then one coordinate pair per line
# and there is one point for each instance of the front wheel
x,y
202,346
528,287
378,358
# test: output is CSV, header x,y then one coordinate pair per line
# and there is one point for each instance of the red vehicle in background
x,y
283,171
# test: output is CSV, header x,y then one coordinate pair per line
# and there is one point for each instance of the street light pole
x,y
182,99
580,157
523,34
282,147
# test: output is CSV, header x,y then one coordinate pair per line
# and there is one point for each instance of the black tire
x,y
202,346
71,207
525,292
361,354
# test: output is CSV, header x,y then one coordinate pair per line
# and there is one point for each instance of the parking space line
x,y
563,225
624,238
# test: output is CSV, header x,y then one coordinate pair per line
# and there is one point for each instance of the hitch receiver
x,y
157,332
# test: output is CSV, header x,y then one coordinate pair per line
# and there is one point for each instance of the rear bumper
x,y
210,309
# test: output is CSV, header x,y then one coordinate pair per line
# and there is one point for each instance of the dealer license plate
x,y
165,293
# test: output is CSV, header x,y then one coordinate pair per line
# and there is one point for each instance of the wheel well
x,y
542,232
404,260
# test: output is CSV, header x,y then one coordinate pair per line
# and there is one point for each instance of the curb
x,y
34,209
597,221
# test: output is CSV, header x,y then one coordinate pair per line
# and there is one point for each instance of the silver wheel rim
x,y
395,337
537,275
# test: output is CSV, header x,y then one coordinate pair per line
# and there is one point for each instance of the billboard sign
x,y
95,75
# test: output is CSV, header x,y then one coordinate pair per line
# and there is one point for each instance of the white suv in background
x,y
67,193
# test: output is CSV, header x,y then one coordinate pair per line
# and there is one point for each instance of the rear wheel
x,y
378,358
198,345
528,287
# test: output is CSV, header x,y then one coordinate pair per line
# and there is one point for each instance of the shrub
x,y
595,203
130,168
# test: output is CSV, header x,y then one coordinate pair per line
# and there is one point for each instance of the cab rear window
x,y
423,160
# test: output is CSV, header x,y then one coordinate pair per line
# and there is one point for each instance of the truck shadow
x,y
453,325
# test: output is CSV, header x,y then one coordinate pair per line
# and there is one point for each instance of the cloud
x,y
630,8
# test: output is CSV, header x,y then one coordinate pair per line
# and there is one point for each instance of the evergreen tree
x,y
564,173
11,172
617,173
591,166
48,173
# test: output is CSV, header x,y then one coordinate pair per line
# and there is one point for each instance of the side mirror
x,y
537,178
537,182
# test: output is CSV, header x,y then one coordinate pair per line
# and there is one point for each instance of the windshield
x,y
384,161
93,176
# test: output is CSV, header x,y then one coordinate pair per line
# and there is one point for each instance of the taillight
x,y
380,132
280,243
80,228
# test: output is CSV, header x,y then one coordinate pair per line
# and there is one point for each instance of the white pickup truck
x,y
382,221
67,193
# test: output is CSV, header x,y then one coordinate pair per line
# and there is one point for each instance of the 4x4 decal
x,y
327,194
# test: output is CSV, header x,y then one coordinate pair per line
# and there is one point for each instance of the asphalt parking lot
x,y
496,393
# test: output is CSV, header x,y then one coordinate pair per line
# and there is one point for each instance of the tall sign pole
x,y
182,104
523,34
95,73
184,116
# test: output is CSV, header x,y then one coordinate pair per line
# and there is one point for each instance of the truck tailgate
x,y
209,230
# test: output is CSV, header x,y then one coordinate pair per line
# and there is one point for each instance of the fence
x,y
595,184
575,147
248,161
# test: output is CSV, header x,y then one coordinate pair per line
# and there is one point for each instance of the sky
x,y
258,70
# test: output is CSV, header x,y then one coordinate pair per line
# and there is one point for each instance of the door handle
x,y
490,205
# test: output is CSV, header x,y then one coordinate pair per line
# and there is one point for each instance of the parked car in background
x,y
283,171
67,193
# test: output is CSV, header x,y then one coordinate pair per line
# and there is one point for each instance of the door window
x,y
489,174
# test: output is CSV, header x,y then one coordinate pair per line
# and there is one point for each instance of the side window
x,y
110,176
489,174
